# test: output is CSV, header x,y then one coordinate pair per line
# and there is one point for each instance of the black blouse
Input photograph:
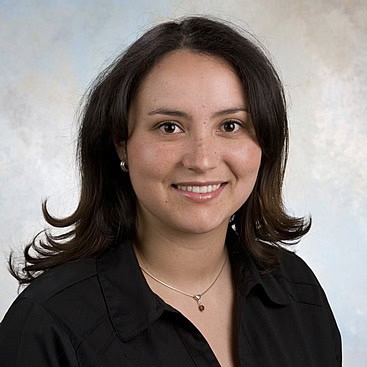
x,y
101,312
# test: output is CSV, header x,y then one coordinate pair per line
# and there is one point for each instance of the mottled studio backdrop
x,y
51,50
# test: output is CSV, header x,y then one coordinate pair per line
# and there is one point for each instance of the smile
x,y
199,189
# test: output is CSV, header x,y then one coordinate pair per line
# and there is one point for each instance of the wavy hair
x,y
106,212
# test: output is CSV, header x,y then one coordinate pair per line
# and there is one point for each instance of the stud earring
x,y
123,166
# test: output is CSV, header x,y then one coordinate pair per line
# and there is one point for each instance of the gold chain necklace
x,y
196,297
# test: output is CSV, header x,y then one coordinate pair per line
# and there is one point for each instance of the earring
x,y
123,166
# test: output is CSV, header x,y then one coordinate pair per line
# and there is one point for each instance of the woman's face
x,y
192,152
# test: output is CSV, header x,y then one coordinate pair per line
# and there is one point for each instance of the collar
x,y
268,286
133,306
131,303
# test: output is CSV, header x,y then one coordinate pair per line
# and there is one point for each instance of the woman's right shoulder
x,y
51,311
60,279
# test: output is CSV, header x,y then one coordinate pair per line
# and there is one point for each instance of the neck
x,y
187,259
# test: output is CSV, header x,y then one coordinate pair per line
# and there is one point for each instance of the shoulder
x,y
58,281
65,300
49,318
69,293
303,287
295,269
299,281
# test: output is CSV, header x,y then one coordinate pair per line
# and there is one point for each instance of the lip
x,y
198,183
199,197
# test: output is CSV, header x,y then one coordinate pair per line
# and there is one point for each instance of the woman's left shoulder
x,y
299,281
294,269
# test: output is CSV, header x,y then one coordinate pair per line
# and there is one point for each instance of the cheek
x,y
256,158
146,161
248,160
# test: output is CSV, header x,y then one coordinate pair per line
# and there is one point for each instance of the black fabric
x,y
101,312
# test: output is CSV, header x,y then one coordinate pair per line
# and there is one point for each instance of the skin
x,y
189,126
177,138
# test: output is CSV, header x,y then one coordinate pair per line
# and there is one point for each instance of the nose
x,y
201,154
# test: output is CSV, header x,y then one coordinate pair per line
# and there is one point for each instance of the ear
x,y
121,149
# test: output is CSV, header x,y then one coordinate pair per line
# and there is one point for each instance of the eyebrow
x,y
229,111
170,112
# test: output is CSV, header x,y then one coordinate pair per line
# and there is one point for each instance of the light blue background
x,y
51,50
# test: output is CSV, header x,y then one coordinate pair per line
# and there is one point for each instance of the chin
x,y
202,227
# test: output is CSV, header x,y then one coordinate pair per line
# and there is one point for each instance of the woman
x,y
176,252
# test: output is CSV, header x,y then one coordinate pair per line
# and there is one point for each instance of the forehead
x,y
184,76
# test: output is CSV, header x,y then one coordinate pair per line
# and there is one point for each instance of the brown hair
x,y
106,212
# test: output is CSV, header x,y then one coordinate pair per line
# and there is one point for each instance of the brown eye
x,y
231,126
170,128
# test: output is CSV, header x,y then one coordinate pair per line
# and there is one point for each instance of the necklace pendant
x,y
197,298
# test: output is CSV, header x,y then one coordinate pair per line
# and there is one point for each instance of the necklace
x,y
197,297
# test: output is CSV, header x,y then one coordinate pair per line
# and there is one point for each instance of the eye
x,y
169,128
231,126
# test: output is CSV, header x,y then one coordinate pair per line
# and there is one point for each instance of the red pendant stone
x,y
201,308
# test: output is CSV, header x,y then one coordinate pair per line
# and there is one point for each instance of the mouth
x,y
198,188
200,192
202,189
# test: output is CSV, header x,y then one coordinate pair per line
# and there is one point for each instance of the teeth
x,y
199,189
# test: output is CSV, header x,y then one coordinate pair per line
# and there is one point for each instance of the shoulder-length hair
x,y
106,212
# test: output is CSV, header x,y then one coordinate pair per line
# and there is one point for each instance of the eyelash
x,y
169,123
235,122
162,125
